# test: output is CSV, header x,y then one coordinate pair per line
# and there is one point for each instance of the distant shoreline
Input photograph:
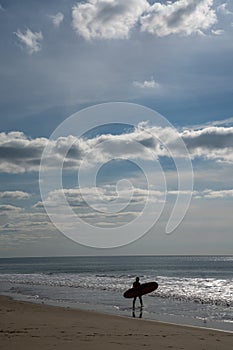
x,y
106,256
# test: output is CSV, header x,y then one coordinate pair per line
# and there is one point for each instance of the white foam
x,y
206,291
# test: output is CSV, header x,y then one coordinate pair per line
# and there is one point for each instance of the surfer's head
x,y
137,279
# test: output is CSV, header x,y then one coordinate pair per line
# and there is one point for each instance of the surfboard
x,y
144,288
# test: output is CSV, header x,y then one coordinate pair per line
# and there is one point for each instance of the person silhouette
x,y
137,285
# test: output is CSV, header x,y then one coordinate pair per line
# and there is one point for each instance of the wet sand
x,y
26,325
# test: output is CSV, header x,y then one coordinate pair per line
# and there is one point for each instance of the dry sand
x,y
31,326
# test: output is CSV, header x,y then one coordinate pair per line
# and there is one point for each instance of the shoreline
x,y
126,311
41,325
187,292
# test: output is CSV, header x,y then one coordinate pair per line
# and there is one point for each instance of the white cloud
x,y
4,208
101,205
30,40
14,195
217,31
101,194
217,194
115,19
27,222
223,122
223,9
19,219
183,17
57,19
146,84
207,193
107,19
99,200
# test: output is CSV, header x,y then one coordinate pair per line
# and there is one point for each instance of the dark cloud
x,y
75,152
20,152
179,14
107,11
210,137
148,142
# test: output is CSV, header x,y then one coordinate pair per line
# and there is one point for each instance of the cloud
x,y
27,222
217,31
228,122
95,205
19,154
19,219
115,19
211,143
224,122
214,143
146,84
38,205
217,194
183,17
102,205
107,19
9,208
224,10
207,193
14,195
57,19
1,8
30,40
210,137
101,194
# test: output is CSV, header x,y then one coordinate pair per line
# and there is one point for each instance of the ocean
x,y
193,290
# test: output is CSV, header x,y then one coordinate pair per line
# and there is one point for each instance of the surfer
x,y
137,285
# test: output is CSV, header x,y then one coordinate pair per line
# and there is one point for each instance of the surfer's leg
x,y
140,298
134,300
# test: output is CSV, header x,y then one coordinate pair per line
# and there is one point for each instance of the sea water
x,y
195,290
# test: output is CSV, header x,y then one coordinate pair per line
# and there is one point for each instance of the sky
x,y
149,87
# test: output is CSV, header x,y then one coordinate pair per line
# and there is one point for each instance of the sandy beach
x,y
26,325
